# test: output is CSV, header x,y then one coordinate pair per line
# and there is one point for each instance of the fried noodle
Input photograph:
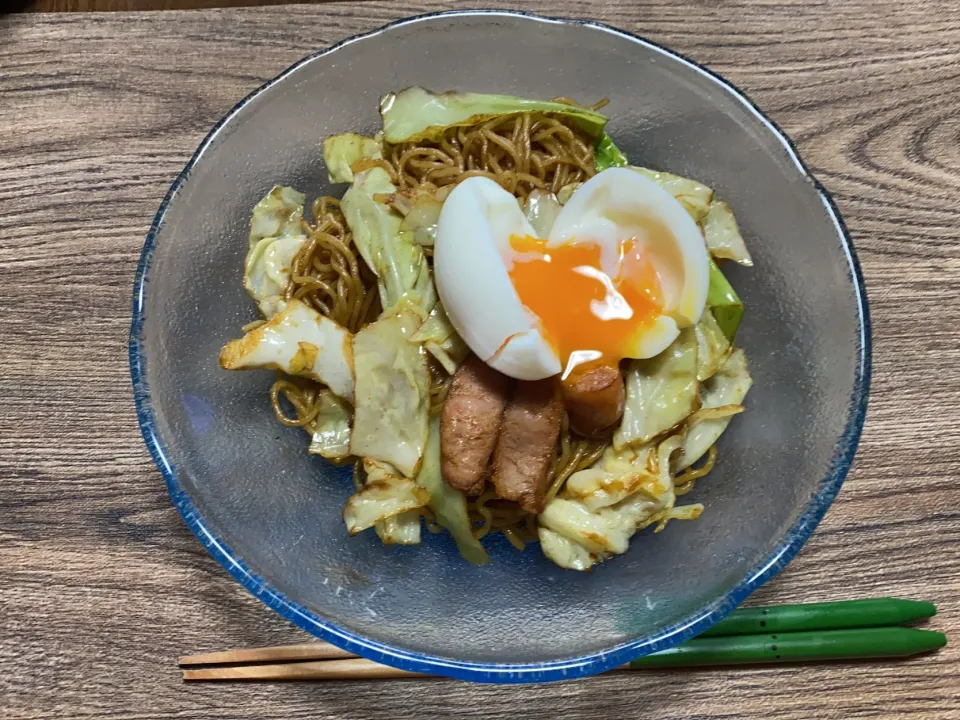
x,y
520,152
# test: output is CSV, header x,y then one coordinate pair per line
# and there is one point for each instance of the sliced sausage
x,y
527,443
594,399
470,423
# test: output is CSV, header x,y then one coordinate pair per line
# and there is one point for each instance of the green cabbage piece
x,y
722,234
418,114
713,347
728,387
331,434
724,302
399,263
392,393
694,196
448,505
342,152
607,155
660,392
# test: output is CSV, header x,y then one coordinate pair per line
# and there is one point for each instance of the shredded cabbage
x,y
722,235
399,263
385,495
660,392
392,393
448,505
342,152
418,114
728,387
299,341
331,435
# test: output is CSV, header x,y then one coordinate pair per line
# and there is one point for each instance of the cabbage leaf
x,y
342,152
581,530
694,196
660,392
299,341
607,155
392,393
385,495
713,347
279,213
565,552
276,236
417,114
439,338
541,209
728,387
399,263
722,234
723,300
331,433
448,505
401,529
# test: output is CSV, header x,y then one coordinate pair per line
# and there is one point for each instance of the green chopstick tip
x,y
938,639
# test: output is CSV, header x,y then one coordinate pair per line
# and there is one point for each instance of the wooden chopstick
x,y
278,653
344,669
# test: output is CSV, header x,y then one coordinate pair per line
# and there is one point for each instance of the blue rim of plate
x,y
565,669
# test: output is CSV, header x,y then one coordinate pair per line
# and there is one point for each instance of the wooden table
x,y
102,586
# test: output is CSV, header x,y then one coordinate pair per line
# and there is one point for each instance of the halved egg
x,y
623,269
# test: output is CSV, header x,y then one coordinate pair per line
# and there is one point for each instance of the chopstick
x,y
788,633
277,653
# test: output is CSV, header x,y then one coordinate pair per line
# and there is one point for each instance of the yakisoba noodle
x,y
521,152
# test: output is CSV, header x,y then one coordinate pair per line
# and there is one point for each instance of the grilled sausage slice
x,y
470,423
527,443
594,399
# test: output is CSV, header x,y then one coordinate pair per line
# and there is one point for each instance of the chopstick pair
x,y
853,629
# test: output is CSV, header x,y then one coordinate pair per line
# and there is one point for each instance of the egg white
x,y
619,204
473,257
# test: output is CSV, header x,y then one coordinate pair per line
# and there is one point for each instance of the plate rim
x,y
570,668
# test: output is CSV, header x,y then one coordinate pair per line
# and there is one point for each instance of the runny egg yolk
x,y
585,314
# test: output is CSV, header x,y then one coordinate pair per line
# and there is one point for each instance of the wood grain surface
x,y
128,5
101,584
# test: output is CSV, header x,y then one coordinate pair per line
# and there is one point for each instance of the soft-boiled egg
x,y
623,268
